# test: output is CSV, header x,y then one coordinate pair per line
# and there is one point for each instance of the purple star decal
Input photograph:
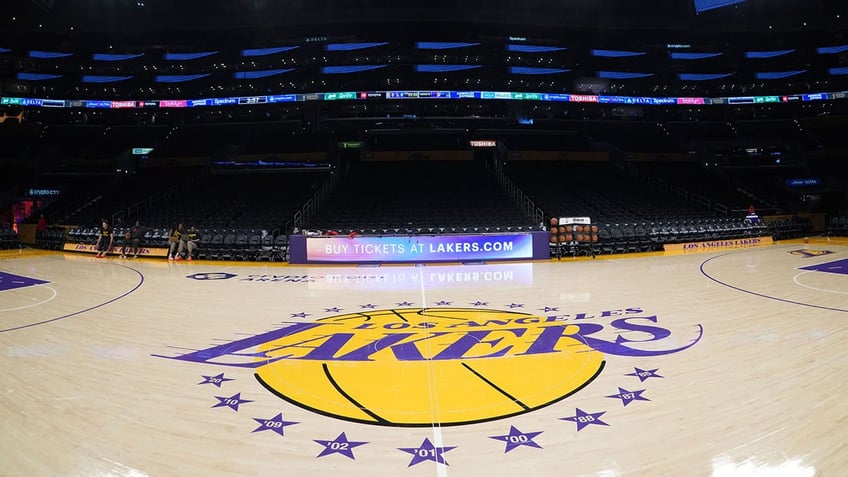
x,y
334,309
584,419
276,424
404,303
302,314
368,306
644,374
629,396
549,308
427,451
515,305
231,402
516,438
443,303
339,445
480,303
216,380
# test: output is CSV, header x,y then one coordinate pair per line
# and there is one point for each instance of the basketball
x,y
398,367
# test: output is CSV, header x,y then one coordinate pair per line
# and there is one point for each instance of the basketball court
x,y
726,363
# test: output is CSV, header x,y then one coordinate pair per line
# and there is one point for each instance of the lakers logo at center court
x,y
415,366
419,366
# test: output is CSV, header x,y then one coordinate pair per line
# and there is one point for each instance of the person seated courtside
x,y
188,242
174,240
132,240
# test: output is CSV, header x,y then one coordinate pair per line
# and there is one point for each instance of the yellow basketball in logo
x,y
420,366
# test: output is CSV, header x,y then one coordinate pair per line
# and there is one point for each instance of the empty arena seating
x,y
419,197
630,215
838,225
118,192
695,179
52,239
828,131
631,136
238,201
598,190
651,236
776,130
8,238
696,131
238,216
163,198
789,228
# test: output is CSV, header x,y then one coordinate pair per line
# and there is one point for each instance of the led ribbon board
x,y
412,95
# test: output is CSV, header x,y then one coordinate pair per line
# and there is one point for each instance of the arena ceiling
x,y
346,16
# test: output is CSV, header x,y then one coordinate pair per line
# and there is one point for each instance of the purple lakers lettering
x,y
343,339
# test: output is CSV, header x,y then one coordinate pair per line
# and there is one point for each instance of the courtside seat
x,y
619,244
630,242
203,246
239,248
216,245
227,251
266,249
73,234
8,239
281,248
254,243
605,240
643,241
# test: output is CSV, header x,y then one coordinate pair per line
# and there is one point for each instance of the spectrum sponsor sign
x,y
718,244
419,248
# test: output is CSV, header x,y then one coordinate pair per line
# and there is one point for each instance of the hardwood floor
x,y
726,363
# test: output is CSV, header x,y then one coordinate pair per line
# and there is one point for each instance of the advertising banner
x,y
718,244
415,248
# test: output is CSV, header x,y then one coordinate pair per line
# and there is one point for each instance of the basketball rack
x,y
573,236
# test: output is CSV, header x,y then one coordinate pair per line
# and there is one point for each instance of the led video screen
x,y
704,5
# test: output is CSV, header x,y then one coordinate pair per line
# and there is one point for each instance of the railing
x,y
311,207
68,213
516,194
664,186
172,192
701,200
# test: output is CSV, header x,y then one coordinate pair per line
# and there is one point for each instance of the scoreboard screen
x,y
704,5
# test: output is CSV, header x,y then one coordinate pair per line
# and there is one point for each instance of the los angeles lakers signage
x,y
88,248
395,366
714,245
